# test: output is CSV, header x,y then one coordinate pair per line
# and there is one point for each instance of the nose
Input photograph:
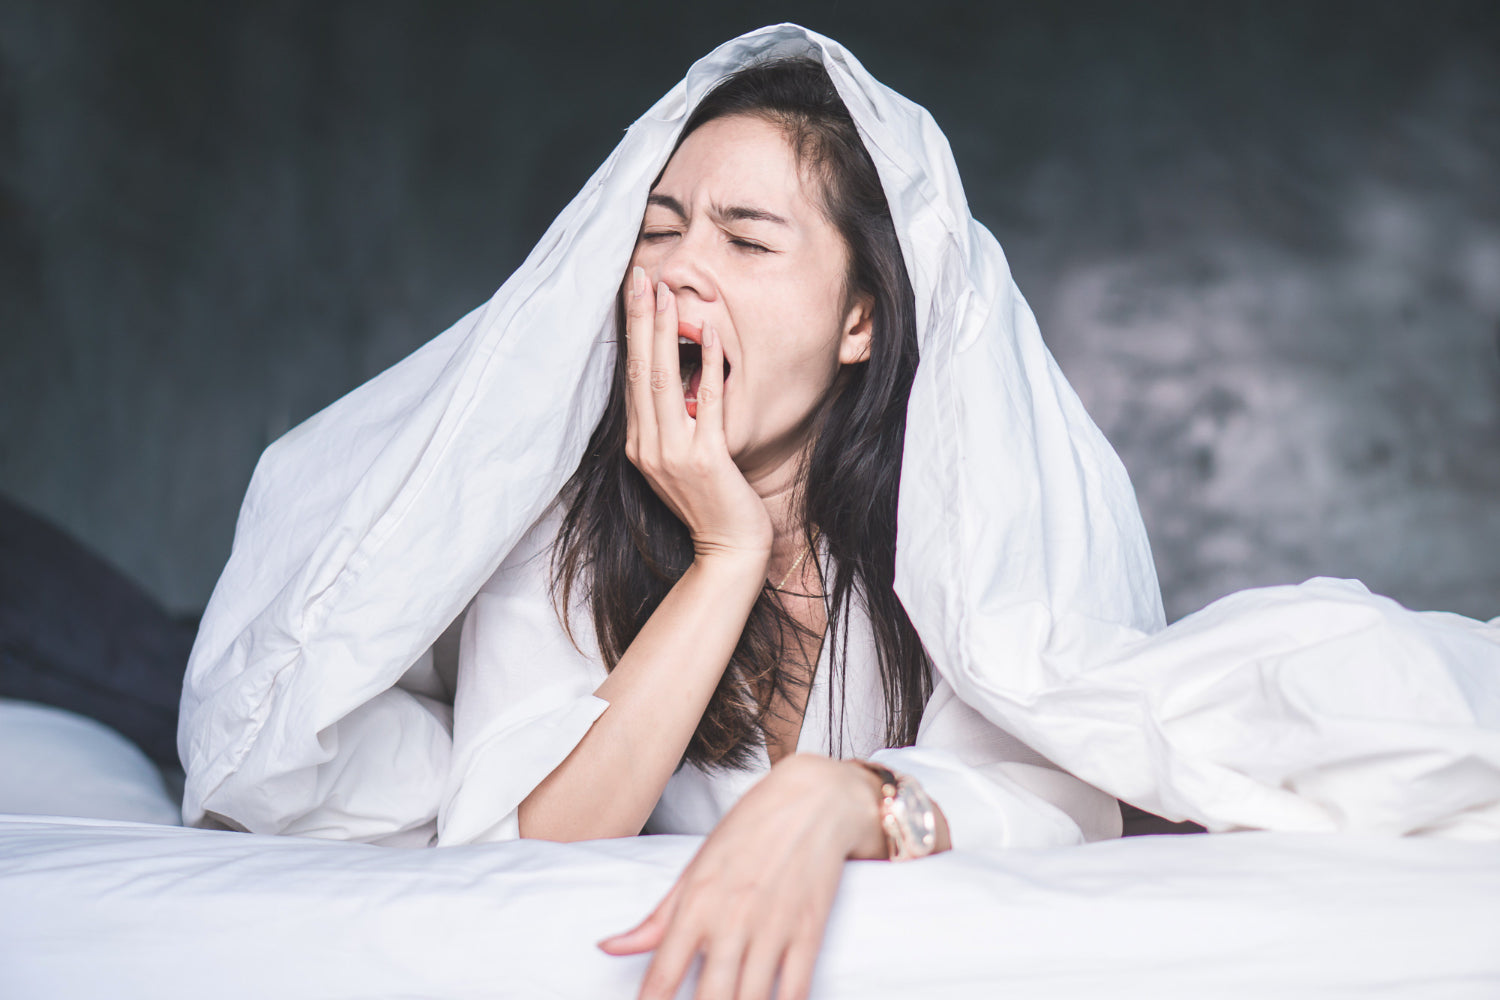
x,y
686,266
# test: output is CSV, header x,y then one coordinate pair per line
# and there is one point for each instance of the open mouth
x,y
690,363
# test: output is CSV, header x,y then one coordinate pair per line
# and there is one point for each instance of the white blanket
x,y
368,529
92,910
1321,707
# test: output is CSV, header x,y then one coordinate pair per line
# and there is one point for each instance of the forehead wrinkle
x,y
744,213
719,213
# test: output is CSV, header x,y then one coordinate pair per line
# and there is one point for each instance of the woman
x,y
729,534
766,255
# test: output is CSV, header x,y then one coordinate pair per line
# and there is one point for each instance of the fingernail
x,y
663,295
709,337
637,282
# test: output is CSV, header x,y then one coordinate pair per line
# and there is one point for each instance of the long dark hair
x,y
627,546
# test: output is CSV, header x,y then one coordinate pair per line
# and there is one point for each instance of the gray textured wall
x,y
1262,239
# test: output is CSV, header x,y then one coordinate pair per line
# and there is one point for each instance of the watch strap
x,y
907,815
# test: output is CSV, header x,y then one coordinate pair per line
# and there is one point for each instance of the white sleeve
x,y
524,695
994,790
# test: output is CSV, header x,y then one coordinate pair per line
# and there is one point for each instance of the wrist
x,y
843,799
747,562
867,840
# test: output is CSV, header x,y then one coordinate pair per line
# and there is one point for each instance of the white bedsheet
x,y
96,909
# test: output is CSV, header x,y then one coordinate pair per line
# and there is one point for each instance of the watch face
x,y
910,821
917,818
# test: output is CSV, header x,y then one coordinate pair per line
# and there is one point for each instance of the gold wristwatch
x,y
906,815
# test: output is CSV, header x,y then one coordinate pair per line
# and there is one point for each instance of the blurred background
x,y
1263,240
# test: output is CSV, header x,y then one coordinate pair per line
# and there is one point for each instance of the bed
x,y
116,901
92,908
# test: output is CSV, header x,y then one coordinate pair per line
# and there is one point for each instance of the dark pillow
x,y
78,634
1140,823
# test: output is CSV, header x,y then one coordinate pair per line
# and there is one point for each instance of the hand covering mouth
x,y
690,361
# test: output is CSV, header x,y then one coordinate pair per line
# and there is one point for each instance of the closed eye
x,y
657,235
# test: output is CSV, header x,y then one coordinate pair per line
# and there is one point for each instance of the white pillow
x,y
57,763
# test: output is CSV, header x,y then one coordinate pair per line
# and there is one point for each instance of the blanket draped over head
x,y
1021,559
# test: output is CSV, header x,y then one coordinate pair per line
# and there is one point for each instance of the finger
x,y
670,963
758,971
647,934
797,971
640,314
710,420
721,970
643,937
666,373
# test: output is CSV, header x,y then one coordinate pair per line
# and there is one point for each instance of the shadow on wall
x,y
1289,418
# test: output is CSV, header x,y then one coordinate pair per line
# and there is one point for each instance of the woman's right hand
x,y
686,460
659,689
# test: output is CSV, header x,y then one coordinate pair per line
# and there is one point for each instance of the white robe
x,y
525,698
521,696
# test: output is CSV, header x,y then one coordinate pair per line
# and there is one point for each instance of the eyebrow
x,y
727,213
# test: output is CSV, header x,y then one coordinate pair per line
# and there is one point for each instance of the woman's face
x,y
734,230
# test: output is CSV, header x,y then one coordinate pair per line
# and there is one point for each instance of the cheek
x,y
643,256
801,333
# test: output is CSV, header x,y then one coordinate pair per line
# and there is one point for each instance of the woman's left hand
x,y
756,897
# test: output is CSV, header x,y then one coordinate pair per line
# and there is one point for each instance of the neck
x,y
777,487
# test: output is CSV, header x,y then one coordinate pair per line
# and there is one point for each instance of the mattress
x,y
92,908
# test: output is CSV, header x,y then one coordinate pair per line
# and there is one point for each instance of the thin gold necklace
x,y
806,549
